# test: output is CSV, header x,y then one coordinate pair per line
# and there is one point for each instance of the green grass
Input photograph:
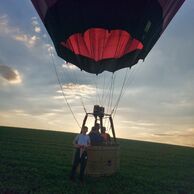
x,y
38,161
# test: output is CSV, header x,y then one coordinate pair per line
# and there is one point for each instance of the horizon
x,y
121,138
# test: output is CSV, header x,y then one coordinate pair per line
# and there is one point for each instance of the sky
x,y
157,101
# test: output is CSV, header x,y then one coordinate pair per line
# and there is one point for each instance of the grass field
x,y
38,161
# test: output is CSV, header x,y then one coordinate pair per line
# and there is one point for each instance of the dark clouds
x,y
9,73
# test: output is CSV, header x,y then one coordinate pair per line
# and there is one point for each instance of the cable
x,y
119,97
128,83
111,93
97,94
68,105
81,99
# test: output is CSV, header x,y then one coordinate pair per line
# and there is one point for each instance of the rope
x,y
61,87
111,93
97,93
81,99
103,90
76,79
121,91
82,102
128,83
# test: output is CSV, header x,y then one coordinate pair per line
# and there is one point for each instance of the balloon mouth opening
x,y
99,44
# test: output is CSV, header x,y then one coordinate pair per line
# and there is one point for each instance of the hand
x,y
81,146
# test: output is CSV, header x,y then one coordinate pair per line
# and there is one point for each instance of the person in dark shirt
x,y
105,136
95,135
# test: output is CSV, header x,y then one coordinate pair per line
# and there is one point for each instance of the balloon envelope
x,y
105,35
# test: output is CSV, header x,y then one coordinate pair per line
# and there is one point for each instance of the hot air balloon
x,y
109,35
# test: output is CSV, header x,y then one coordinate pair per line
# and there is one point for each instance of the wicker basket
x,y
103,160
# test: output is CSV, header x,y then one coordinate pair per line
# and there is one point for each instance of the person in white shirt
x,y
81,143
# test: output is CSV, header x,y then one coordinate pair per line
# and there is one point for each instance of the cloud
x,y
37,29
69,66
139,123
73,91
80,89
36,25
28,40
186,133
185,137
182,137
50,48
5,28
10,74
16,34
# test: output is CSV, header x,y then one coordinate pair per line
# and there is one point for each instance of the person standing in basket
x,y
81,143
